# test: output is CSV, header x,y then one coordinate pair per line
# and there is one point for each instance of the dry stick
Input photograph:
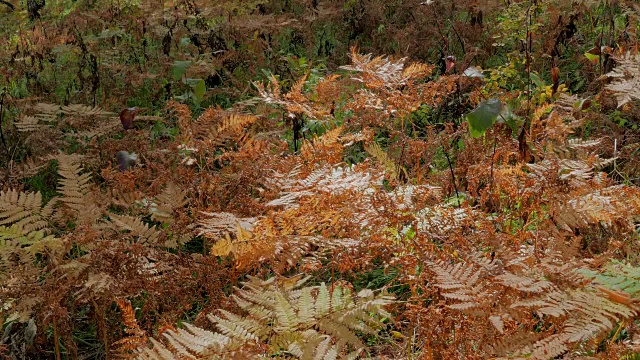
x,y
615,336
464,52
453,176
522,138
495,142
55,339
104,332
4,142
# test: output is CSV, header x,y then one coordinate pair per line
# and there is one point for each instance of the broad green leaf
x,y
536,80
483,116
200,89
593,58
179,68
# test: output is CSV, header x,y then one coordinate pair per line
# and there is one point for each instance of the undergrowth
x,y
198,180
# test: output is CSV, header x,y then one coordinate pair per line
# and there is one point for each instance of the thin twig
x,y
4,142
464,51
453,176
495,142
522,138
55,339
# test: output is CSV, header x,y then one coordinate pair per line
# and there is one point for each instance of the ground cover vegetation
x,y
319,179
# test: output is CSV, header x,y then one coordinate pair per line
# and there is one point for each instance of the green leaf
x,y
179,68
200,89
536,80
198,86
483,117
593,58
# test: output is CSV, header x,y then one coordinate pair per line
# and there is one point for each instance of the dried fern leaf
x,y
376,151
46,112
282,316
84,110
165,203
219,224
73,186
24,210
462,282
138,229
29,124
626,76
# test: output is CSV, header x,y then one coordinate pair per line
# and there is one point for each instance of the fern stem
x,y
55,339
495,142
101,327
4,142
453,176
615,336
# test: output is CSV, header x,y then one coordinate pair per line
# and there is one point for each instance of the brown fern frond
x,y
25,210
29,124
218,225
236,122
142,232
75,189
73,186
84,110
135,338
46,112
183,113
461,282
609,207
381,72
231,129
326,148
100,128
296,90
333,180
626,79
168,201
588,313
95,285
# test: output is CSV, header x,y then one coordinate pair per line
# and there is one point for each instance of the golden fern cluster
x,y
214,128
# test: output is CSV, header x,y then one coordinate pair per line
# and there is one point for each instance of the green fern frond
x,y
617,276
27,244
